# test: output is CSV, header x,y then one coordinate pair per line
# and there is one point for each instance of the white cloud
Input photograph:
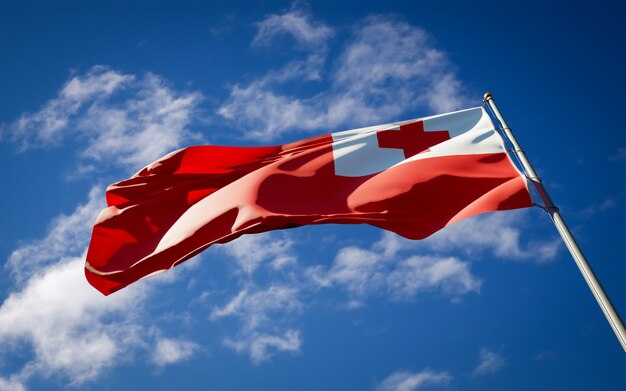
x,y
393,66
419,273
380,271
254,308
265,111
387,68
490,362
391,62
122,119
69,324
356,269
496,232
499,233
169,351
263,314
250,251
73,331
412,381
446,94
99,81
261,347
67,236
148,125
296,23
12,384
402,269
265,114
46,127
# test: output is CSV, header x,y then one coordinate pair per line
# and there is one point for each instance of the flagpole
x,y
596,288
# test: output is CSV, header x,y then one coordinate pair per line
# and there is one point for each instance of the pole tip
x,y
488,95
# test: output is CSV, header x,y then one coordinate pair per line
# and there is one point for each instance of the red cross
x,y
411,138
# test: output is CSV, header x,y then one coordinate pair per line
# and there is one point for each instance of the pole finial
x,y
488,95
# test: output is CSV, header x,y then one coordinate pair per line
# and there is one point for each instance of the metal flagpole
x,y
596,288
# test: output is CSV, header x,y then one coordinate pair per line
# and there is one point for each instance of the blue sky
x,y
91,92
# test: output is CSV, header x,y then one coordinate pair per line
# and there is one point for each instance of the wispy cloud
x,y
418,273
260,105
67,237
170,351
402,269
121,119
369,272
386,68
500,234
262,346
619,155
266,315
608,204
298,24
255,307
262,333
413,381
391,63
490,362
392,268
47,127
250,251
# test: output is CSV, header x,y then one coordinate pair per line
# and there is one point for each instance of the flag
x,y
412,177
